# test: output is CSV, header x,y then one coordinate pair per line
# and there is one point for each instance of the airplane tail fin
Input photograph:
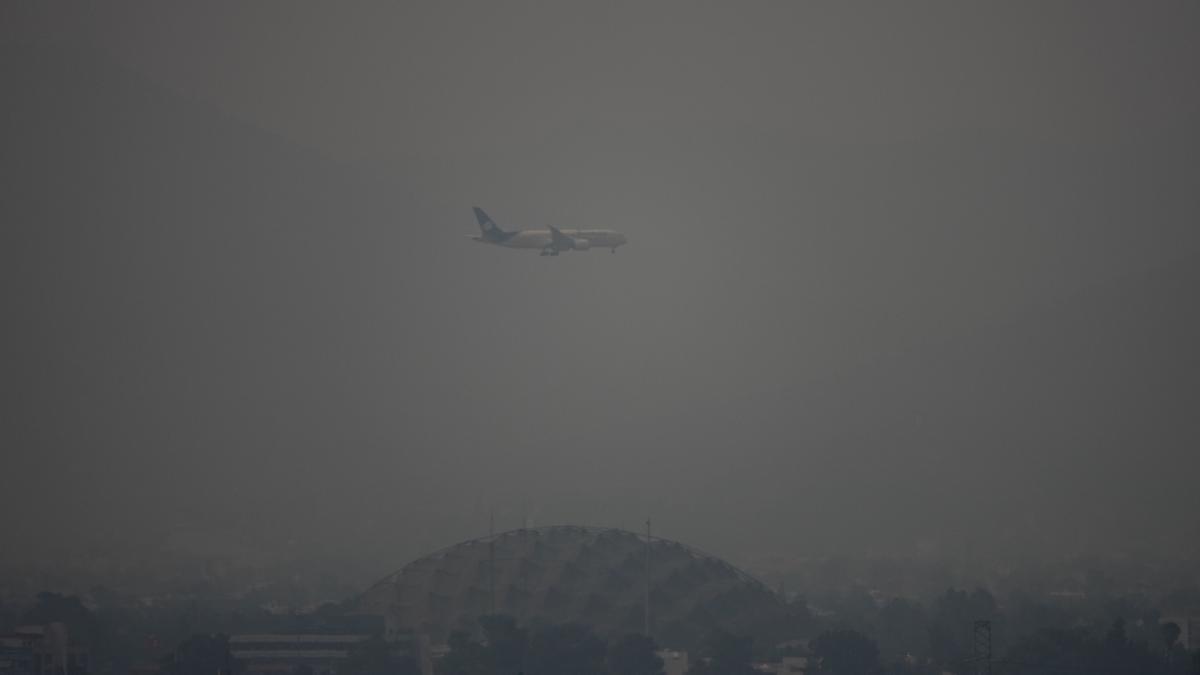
x,y
486,224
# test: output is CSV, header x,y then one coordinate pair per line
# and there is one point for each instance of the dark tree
x,y
80,622
902,629
1075,650
1170,634
634,655
506,644
949,641
724,653
846,652
1119,652
200,655
466,657
502,652
566,649
1115,638
376,657
1060,649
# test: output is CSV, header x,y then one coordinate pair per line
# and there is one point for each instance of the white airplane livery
x,y
550,241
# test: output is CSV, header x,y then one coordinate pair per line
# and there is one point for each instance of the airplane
x,y
551,241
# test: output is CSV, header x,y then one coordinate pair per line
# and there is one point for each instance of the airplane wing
x,y
559,240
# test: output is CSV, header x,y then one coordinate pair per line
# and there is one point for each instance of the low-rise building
x,y
286,654
675,662
42,650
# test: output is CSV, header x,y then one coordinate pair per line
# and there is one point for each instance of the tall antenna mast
x,y
647,599
492,562
982,643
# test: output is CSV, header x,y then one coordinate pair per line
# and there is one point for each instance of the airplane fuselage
x,y
541,239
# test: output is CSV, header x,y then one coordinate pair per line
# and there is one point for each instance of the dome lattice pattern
x,y
564,574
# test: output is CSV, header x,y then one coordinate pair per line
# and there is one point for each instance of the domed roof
x,y
561,574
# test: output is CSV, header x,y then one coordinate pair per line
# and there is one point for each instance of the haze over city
x,y
906,281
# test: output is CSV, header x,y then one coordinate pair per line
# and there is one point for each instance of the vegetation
x,y
846,633
845,652
560,649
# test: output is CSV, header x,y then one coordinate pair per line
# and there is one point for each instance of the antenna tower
x,y
982,643
647,599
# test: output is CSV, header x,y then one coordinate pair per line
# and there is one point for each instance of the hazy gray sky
x,y
897,273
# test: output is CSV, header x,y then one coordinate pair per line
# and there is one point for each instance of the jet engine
x,y
581,244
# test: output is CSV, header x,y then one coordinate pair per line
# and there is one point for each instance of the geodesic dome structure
x,y
561,574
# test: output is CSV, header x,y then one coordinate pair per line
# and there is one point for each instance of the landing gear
x,y
614,250
549,251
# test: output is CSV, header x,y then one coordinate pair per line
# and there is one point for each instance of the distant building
x,y
312,653
42,650
793,665
788,665
16,655
674,662
321,654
